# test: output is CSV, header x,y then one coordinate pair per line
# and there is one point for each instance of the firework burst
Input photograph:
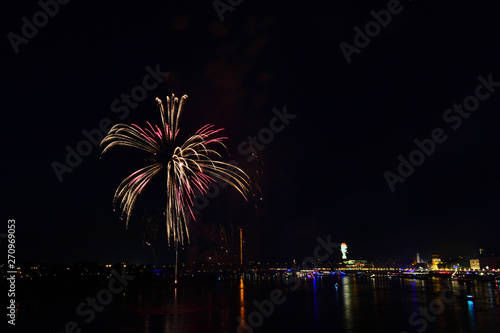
x,y
191,164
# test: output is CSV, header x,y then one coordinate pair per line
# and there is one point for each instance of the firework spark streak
x,y
192,164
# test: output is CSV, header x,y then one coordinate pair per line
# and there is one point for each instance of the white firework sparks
x,y
190,165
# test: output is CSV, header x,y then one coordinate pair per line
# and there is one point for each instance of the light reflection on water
x,y
242,304
472,319
349,296
315,303
340,304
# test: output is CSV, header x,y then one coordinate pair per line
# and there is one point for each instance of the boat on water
x,y
485,277
415,275
463,279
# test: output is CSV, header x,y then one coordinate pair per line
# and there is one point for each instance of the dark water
x,y
346,304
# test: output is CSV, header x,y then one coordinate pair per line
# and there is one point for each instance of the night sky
x,y
322,174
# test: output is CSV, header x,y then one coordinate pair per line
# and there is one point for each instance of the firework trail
x,y
191,164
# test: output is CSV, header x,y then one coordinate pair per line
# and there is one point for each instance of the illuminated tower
x,y
343,249
241,246
416,259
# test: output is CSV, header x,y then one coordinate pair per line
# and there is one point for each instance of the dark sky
x,y
323,174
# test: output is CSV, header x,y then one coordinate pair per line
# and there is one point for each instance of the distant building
x,y
436,260
489,262
357,263
474,264
416,259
